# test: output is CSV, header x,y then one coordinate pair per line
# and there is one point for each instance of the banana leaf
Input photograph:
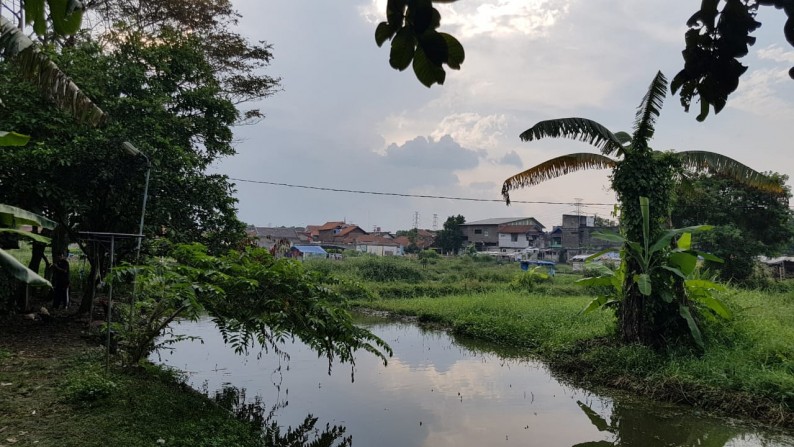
x,y
20,272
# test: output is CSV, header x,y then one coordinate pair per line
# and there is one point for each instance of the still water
x,y
441,391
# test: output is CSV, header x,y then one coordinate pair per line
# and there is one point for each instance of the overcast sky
x,y
346,120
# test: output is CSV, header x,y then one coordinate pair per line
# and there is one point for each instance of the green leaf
x,y
426,71
707,256
685,241
643,281
594,304
12,217
686,262
608,236
455,52
20,272
383,33
693,327
595,281
674,271
434,47
403,47
27,234
13,139
704,284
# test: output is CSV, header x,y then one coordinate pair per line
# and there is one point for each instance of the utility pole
x,y
578,203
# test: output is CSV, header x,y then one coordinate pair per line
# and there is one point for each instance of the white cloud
x,y
498,18
777,54
472,129
758,93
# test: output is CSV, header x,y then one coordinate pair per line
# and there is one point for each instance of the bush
x,y
388,269
87,385
526,281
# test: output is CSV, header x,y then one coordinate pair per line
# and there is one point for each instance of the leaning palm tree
x,y
637,171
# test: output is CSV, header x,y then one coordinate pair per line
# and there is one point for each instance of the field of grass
x,y
747,368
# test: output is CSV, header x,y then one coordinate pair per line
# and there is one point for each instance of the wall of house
x,y
506,241
482,235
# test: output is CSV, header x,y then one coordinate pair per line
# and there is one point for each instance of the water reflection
x,y
438,391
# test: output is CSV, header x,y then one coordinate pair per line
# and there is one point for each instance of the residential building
x,y
486,235
577,235
278,239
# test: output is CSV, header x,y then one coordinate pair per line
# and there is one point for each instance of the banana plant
x,y
663,261
11,218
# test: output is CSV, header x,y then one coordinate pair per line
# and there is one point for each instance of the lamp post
x,y
130,149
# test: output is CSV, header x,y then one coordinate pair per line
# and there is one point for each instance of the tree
x,y
638,171
748,221
411,26
166,94
236,63
716,39
451,238
38,69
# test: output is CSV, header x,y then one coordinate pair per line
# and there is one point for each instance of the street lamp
x,y
130,149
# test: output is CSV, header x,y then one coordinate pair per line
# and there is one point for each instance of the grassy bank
x,y
54,392
746,370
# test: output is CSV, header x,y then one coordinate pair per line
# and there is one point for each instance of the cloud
x,y
502,18
777,54
759,94
484,186
472,129
512,159
497,19
428,153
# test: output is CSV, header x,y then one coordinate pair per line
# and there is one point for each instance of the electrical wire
x,y
421,196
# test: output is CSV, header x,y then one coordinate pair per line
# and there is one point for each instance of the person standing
x,y
60,282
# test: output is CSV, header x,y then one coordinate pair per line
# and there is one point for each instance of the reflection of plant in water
x,y
255,413
630,428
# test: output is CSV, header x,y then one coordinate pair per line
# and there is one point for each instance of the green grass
x,y
747,368
543,323
72,402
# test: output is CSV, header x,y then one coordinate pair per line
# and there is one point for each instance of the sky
x,y
345,120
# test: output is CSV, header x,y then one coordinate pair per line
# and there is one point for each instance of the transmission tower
x,y
416,220
435,222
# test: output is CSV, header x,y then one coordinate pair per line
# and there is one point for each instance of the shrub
x,y
87,385
388,269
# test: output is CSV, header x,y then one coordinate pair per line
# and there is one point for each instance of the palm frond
x,y
581,129
722,165
556,167
39,69
649,110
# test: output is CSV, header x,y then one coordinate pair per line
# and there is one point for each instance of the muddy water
x,y
438,391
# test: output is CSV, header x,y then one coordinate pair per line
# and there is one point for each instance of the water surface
x,y
438,391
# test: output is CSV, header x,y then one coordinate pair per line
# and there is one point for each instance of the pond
x,y
439,391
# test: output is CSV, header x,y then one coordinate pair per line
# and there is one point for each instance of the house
x,y
302,252
577,235
378,245
278,239
485,234
336,232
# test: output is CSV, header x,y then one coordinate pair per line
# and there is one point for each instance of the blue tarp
x,y
310,249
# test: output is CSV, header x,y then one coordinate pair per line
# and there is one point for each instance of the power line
x,y
421,196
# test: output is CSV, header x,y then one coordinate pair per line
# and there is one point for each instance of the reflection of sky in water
x,y
436,393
